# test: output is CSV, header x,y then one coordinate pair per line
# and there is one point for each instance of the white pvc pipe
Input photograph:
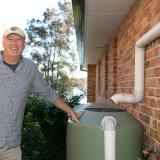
x,y
138,93
109,126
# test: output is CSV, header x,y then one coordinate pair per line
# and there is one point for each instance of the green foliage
x,y
33,141
76,99
44,130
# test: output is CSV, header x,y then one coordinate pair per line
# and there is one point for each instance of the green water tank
x,y
86,141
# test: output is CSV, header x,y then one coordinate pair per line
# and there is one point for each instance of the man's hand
x,y
74,116
71,113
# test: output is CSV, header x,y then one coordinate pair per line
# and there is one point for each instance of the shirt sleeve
x,y
43,88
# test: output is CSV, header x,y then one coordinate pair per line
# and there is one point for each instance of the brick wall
x,y
116,72
102,79
112,69
91,83
143,16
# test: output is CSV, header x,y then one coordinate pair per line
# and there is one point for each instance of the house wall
x,y
115,71
101,79
91,83
106,77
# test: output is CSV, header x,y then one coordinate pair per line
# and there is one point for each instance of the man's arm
x,y
65,107
41,86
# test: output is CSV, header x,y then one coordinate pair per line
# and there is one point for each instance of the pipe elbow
x,y
109,123
148,37
137,98
127,98
116,98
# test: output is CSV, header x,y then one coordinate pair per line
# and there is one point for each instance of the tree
x,y
51,44
44,131
33,142
44,128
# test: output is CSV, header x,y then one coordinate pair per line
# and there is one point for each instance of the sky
x,y
17,12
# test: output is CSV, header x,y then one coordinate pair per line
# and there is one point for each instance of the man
x,y
18,76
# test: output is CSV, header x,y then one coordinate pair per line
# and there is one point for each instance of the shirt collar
x,y
1,58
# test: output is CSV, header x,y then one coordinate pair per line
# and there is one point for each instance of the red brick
x,y
115,71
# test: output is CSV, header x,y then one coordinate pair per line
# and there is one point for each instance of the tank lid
x,y
105,109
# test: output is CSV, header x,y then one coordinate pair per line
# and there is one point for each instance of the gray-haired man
x,y
18,76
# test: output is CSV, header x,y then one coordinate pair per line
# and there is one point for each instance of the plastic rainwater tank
x,y
86,141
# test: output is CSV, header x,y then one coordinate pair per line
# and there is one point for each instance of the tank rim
x,y
95,109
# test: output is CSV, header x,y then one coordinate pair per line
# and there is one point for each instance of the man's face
x,y
13,45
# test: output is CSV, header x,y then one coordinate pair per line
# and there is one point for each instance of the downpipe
x,y
138,92
109,125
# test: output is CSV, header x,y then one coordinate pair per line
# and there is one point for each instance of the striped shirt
x,y
14,91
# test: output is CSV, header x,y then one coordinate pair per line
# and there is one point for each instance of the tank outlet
x,y
109,123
